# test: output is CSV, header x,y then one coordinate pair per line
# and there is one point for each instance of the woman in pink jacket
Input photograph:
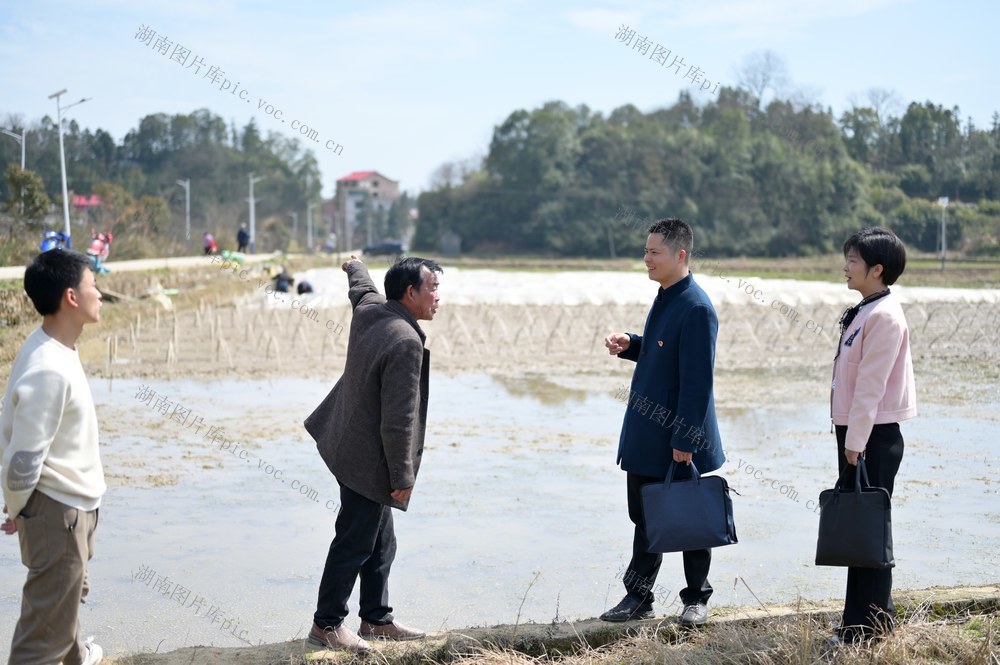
x,y
872,391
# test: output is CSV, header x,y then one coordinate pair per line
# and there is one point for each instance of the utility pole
x,y
295,224
253,211
369,211
943,202
62,157
186,184
309,227
20,139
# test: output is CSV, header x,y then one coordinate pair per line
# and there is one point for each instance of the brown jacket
x,y
370,428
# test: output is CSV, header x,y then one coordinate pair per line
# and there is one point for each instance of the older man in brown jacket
x,y
370,432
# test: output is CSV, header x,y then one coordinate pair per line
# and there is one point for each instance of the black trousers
x,y
640,577
365,546
868,606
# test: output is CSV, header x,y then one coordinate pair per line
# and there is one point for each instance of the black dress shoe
x,y
630,609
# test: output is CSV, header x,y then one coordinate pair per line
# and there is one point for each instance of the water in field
x,y
201,541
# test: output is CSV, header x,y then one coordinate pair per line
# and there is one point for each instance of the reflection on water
x,y
518,479
541,389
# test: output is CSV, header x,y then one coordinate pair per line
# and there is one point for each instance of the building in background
x,y
360,206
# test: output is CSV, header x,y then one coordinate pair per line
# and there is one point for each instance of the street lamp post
x,y
295,224
20,139
943,202
62,156
309,228
369,211
253,218
186,184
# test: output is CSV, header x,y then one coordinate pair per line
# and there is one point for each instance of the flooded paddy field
x,y
205,541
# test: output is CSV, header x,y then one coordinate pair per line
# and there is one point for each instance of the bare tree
x,y
470,166
763,71
884,102
445,176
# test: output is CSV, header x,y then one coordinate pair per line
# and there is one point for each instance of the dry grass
x,y
791,640
797,640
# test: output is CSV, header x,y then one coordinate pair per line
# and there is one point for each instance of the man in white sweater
x,y
51,471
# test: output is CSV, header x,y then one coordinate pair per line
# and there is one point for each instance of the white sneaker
x,y
94,652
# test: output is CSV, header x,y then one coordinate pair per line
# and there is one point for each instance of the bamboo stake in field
x,y
503,326
222,351
110,360
447,346
483,342
551,337
517,335
272,342
322,350
465,329
594,343
254,323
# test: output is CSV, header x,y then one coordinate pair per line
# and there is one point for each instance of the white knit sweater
x,y
48,429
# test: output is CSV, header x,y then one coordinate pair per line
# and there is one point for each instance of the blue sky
x,y
406,86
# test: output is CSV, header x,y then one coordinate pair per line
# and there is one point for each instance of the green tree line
x,y
137,180
779,179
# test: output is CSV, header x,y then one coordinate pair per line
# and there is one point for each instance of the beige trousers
x,y
56,543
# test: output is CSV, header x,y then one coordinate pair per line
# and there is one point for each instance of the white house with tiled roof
x,y
354,192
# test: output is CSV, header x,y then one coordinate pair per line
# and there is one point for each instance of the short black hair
x,y
50,274
877,245
407,272
676,234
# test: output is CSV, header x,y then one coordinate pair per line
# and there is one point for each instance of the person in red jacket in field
x,y
211,247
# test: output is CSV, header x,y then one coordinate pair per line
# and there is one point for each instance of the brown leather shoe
x,y
337,638
390,631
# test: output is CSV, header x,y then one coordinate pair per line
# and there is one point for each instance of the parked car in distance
x,y
386,248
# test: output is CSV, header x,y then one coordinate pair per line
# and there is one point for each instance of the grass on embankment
x,y
943,625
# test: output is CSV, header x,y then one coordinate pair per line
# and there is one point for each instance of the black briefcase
x,y
855,525
691,514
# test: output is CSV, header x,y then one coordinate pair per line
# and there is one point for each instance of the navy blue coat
x,y
671,404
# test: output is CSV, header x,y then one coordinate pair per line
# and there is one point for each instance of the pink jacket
x,y
873,375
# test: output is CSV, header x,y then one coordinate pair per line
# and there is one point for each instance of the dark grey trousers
x,y
364,546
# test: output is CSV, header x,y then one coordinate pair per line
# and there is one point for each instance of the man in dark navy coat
x,y
670,414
